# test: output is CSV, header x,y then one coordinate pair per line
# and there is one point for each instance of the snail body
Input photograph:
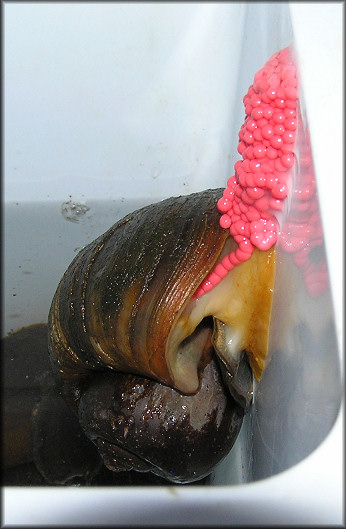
x,y
126,304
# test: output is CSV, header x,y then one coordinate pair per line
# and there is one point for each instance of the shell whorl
x,y
117,301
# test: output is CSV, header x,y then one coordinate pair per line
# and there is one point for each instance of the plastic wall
x,y
114,105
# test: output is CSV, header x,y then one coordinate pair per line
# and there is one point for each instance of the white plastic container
x,y
109,106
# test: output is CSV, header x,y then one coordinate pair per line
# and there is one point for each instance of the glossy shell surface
x,y
140,424
118,300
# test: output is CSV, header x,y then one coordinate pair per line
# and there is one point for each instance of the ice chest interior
x,y
109,107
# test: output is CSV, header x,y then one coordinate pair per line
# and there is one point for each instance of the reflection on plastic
x,y
301,233
298,397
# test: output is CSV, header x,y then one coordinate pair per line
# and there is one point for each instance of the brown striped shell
x,y
118,300
126,301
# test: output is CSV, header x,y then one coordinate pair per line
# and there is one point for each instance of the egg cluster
x,y
260,184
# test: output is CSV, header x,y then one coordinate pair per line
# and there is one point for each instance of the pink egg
x,y
287,160
257,113
268,112
259,150
223,205
276,142
257,134
220,270
271,153
225,221
288,136
267,131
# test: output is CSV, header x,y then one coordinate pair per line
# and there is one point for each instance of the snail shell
x,y
126,301
139,424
